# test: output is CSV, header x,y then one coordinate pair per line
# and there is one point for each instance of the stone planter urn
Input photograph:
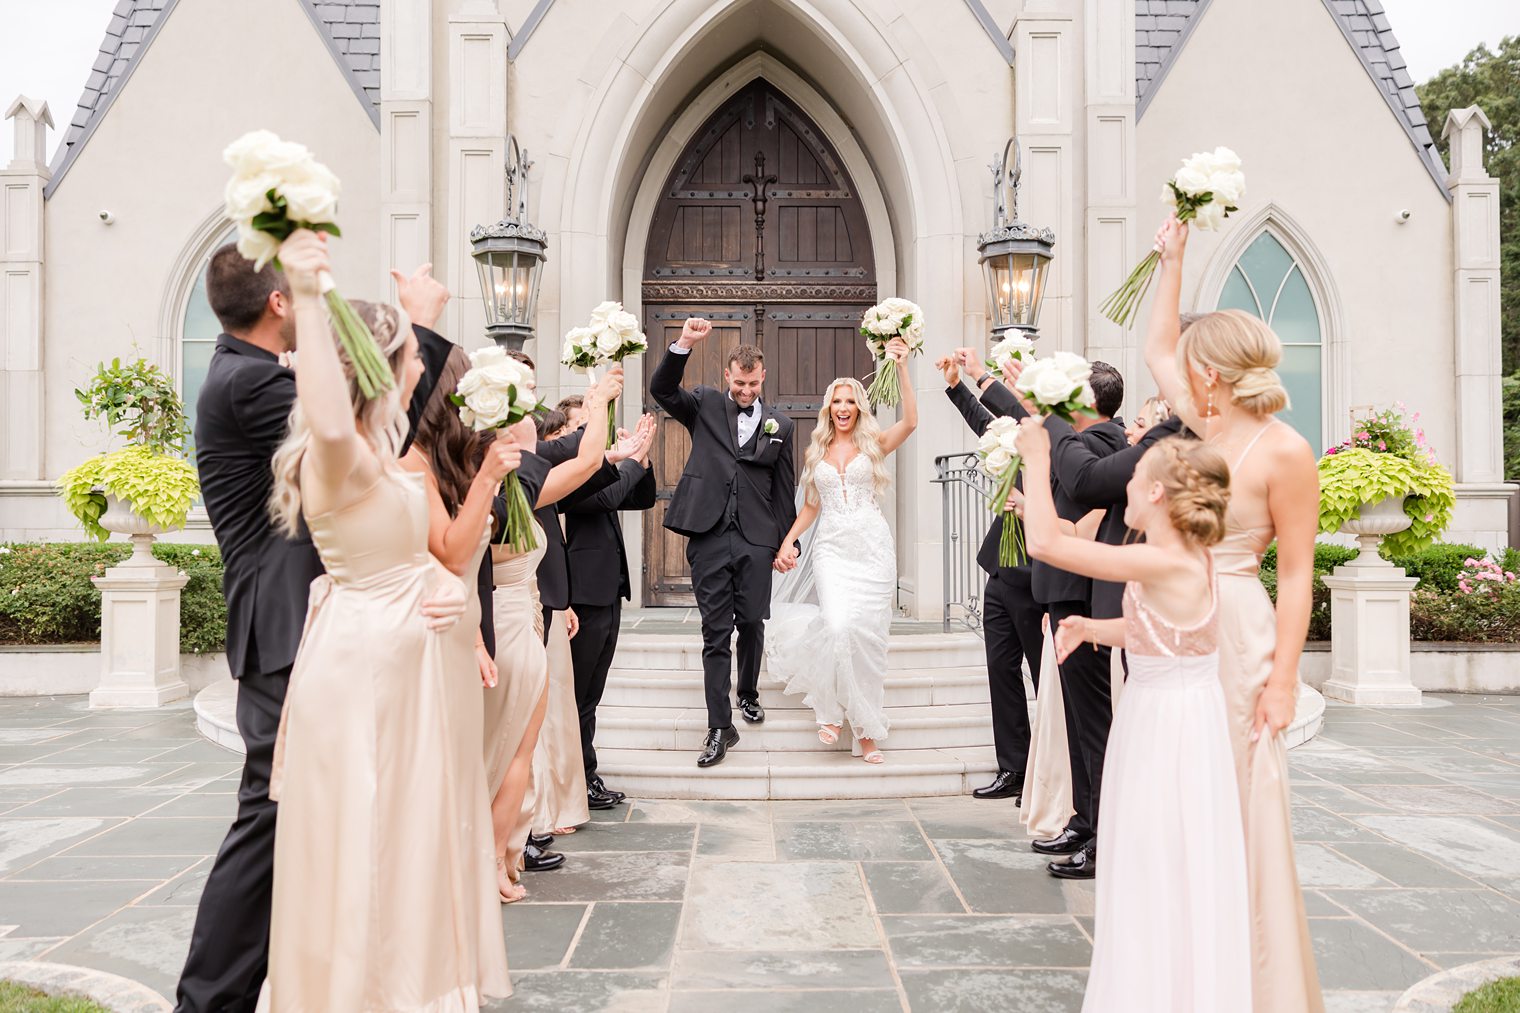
x,y
1369,615
139,620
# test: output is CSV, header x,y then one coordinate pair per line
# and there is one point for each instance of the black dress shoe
x,y
602,787
752,711
1082,865
715,746
1067,842
540,841
600,798
1005,785
536,859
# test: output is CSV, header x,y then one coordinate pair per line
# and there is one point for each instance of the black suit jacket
x,y
978,417
554,568
594,538
764,471
531,473
241,417
1051,584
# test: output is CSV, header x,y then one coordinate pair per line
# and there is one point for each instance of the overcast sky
x,y
47,46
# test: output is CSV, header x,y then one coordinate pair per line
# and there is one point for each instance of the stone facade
x,y
917,96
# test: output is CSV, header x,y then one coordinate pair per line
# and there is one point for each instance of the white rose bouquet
x,y
894,318
276,188
1206,190
1058,385
1016,345
612,336
495,393
999,451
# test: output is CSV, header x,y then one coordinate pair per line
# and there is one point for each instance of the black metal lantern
x,y
510,257
1014,256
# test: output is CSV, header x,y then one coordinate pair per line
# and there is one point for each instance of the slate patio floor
x,y
1408,828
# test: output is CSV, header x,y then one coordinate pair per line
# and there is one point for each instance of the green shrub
x,y
1326,557
46,596
18,998
1502,996
1438,566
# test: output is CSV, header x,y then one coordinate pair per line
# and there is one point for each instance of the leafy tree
x,y
1491,80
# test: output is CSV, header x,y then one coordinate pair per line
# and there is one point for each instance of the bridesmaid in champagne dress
x,y
559,775
1220,376
383,859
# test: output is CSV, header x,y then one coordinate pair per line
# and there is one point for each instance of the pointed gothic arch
x,y
1268,266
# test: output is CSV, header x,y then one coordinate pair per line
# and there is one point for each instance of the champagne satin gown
x,y
521,673
1046,805
1173,926
559,774
1283,972
384,883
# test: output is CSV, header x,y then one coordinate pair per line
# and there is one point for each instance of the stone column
x,y
1369,640
406,134
1109,191
476,154
21,263
139,632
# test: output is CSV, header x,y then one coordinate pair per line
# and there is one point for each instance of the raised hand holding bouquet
x,y
276,188
496,393
999,451
1015,346
1206,190
1058,386
894,318
612,336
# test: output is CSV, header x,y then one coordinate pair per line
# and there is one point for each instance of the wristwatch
x,y
983,380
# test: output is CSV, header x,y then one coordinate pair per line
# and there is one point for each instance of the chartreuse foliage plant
x,y
138,401
1387,456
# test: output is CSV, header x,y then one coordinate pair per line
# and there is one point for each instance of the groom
x,y
734,503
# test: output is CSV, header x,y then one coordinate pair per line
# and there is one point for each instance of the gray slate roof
x,y
351,29
1162,28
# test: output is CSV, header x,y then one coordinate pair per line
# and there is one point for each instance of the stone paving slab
x,y
1408,827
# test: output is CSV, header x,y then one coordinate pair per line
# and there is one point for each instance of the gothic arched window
x,y
1268,282
199,330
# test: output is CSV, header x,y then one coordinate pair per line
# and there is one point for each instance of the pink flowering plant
x,y
1387,455
1483,576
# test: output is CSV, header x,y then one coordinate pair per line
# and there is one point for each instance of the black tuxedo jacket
x,y
241,417
554,568
763,471
978,417
1104,438
594,538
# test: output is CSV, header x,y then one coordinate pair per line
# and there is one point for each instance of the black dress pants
x,y
591,653
229,947
732,581
1086,692
1011,635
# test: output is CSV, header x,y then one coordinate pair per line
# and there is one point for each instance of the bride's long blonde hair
x,y
380,421
866,436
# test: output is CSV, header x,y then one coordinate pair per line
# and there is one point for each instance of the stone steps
x,y
791,729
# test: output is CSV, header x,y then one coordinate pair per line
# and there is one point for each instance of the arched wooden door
x,y
759,229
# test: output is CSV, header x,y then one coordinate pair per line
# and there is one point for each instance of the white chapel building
x,y
1375,262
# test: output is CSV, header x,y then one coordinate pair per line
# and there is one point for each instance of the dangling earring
x,y
1208,413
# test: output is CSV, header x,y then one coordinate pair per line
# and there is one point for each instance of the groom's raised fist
x,y
694,330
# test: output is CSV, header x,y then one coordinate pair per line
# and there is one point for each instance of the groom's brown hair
x,y
746,357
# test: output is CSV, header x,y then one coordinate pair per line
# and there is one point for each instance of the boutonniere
x,y
771,427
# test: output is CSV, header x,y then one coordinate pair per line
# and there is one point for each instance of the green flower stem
x,y
518,531
612,423
884,389
371,369
1011,546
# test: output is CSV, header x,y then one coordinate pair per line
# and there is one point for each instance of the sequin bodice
x,y
1148,633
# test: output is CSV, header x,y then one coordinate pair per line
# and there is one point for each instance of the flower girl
x,y
1172,922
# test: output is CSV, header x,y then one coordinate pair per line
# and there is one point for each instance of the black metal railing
x,y
964,489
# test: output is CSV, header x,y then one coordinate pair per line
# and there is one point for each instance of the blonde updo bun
x,y
1243,351
1196,482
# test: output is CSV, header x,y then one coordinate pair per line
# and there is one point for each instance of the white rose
x,y
259,247
247,196
1227,187
251,153
1002,424
1225,160
1073,366
1085,397
313,202
487,356
1009,441
1191,181
998,461
608,341
491,408
1210,216
471,382
1046,382
625,323
504,374
603,313
988,442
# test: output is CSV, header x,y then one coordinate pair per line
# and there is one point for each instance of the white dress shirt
x,y
747,423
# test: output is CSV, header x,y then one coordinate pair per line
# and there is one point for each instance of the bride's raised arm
x,y
338,453
898,432
1166,325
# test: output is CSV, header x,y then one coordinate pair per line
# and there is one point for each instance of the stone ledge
x,y
121,995
1440,992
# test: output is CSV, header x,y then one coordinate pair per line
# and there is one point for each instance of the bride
x,y
834,653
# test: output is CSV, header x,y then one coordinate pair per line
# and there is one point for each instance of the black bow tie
x,y
747,411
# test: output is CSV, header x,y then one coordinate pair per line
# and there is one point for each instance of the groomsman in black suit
x,y
594,540
1010,621
242,417
735,502
1085,675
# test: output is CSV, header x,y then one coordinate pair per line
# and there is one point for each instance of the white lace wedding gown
x,y
834,653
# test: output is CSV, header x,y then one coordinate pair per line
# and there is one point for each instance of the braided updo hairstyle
x,y
1196,482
